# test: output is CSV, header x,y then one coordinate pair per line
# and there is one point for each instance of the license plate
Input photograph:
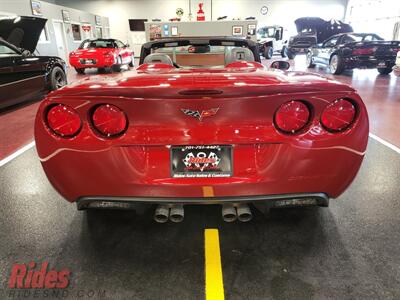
x,y
382,64
201,161
89,61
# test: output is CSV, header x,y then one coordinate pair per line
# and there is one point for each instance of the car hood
x,y
22,32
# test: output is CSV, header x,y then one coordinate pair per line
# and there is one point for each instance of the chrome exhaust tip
x,y
161,214
244,213
177,213
229,213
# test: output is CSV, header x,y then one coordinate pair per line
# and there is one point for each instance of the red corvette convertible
x,y
101,54
202,121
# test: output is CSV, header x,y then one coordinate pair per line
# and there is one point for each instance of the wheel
x,y
336,65
117,66
309,60
385,71
80,71
58,78
290,54
132,63
284,51
268,52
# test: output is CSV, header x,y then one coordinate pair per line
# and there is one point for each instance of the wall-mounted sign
x,y
237,30
98,20
155,32
251,29
174,30
86,27
65,16
36,8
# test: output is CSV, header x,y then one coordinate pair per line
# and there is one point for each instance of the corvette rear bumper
x,y
285,200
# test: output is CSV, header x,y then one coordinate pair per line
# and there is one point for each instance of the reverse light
x,y
338,115
364,51
63,120
291,117
109,120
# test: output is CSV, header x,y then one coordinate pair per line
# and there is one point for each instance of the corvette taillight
x,y
292,117
63,120
109,120
338,115
364,51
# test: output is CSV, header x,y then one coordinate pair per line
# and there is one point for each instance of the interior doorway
x,y
60,40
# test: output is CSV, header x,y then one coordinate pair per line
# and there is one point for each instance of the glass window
x,y
99,32
44,35
331,42
4,50
97,44
120,44
76,32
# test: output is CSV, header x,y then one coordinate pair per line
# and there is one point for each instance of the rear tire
x,y
132,63
336,65
117,66
80,71
268,52
284,52
290,54
385,71
58,78
309,60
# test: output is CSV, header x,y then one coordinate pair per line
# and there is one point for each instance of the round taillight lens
x,y
338,115
292,116
109,120
64,120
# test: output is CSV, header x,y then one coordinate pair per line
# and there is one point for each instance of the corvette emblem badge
x,y
200,115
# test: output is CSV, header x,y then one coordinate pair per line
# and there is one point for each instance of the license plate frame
x,y
201,161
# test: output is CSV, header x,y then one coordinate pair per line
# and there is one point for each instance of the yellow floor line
x,y
208,191
214,279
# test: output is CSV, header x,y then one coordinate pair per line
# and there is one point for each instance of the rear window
x,y
97,44
197,55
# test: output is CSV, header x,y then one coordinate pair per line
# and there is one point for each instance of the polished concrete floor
x,y
347,251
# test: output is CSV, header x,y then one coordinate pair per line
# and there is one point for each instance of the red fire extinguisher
x,y
200,13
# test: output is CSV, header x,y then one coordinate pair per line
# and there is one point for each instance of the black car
x,y
23,75
312,31
355,50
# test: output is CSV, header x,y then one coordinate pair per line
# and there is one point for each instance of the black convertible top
x,y
187,41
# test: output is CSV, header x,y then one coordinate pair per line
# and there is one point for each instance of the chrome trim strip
x,y
21,80
84,202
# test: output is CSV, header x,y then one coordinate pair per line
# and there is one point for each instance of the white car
x,y
396,68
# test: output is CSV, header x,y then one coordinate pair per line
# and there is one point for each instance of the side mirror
x,y
280,64
126,45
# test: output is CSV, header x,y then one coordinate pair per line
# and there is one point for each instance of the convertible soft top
x,y
211,41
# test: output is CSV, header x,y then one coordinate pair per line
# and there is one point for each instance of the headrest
x,y
155,58
238,54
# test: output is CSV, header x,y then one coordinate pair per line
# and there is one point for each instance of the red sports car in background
x,y
202,121
101,54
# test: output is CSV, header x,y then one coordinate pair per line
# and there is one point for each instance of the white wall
x,y
52,12
281,12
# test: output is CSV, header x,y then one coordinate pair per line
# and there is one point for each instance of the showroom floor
x,y
346,251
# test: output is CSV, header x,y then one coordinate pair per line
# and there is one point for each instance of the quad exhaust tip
x,y
174,213
177,213
161,214
229,213
241,212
